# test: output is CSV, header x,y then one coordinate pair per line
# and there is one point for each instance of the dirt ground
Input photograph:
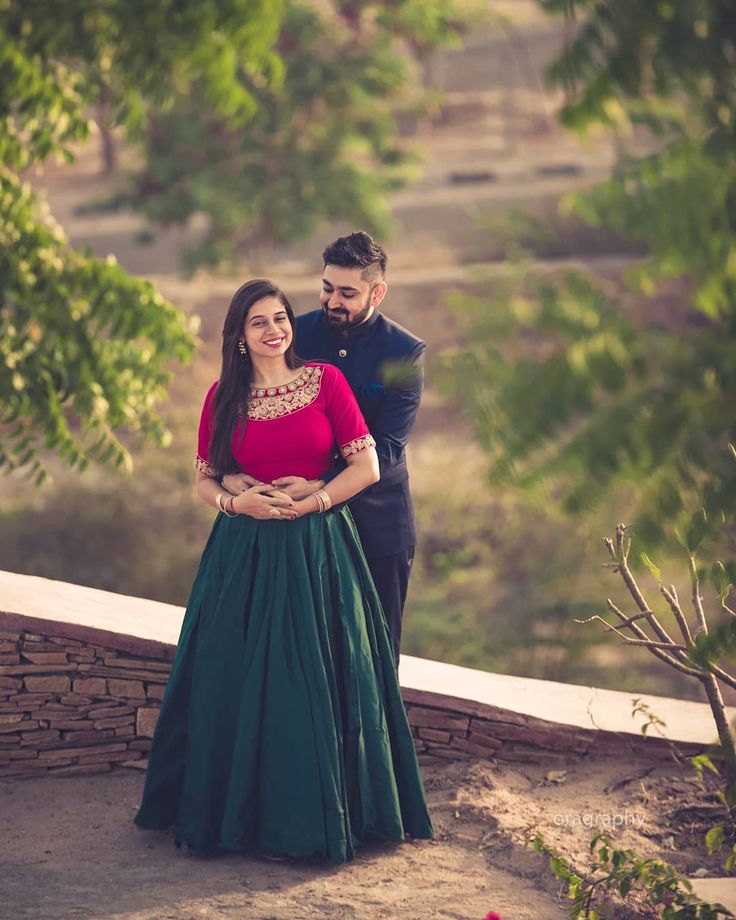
x,y
68,849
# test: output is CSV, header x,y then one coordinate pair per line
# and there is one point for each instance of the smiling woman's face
x,y
267,331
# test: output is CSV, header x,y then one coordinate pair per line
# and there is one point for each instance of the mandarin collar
x,y
353,332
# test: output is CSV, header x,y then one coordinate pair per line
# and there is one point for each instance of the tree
x,y
321,146
692,650
84,346
136,56
576,391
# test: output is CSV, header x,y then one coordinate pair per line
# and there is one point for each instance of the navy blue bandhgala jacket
x,y
384,365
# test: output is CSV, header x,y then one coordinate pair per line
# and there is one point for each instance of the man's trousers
x,y
391,577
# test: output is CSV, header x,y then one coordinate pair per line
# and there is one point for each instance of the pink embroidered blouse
x,y
292,430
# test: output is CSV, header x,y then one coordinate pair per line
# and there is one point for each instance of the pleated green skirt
x,y
282,728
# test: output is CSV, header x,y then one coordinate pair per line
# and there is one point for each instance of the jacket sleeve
x,y
393,424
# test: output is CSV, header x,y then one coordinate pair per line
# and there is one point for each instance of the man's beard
x,y
339,318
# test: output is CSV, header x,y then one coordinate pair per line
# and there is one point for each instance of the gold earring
x,y
242,349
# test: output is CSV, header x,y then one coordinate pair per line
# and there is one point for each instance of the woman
x,y
282,728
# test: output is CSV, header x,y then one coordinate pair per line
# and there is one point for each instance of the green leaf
x,y
654,569
721,580
715,838
703,762
710,647
691,529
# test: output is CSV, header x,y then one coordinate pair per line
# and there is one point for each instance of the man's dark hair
x,y
358,250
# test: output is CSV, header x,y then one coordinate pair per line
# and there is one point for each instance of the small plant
x,y
623,872
721,835
651,718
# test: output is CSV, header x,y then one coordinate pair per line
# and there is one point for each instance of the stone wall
x,y
449,728
80,700
75,705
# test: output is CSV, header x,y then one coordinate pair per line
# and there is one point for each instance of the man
x,y
383,363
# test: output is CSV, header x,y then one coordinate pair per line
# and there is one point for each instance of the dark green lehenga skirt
x,y
282,727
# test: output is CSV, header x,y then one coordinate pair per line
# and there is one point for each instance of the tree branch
x,y
723,675
670,595
696,598
622,547
655,650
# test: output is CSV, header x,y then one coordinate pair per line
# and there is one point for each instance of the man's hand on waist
x,y
297,487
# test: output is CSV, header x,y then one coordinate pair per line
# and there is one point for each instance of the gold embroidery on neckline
x,y
267,403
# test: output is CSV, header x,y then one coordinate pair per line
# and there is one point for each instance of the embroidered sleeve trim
x,y
357,445
267,404
202,466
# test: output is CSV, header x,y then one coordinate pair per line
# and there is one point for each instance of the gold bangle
x,y
323,500
221,502
229,501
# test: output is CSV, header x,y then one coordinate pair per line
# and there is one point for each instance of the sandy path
x,y
68,850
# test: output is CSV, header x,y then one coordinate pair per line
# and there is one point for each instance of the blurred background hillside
x,y
473,182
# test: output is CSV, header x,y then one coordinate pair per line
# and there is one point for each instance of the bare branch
x,y
670,595
635,591
666,649
649,643
696,598
644,640
657,652
626,621
724,676
596,616
620,531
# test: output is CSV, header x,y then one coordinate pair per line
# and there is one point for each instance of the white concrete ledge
x,y
91,608
134,622
566,704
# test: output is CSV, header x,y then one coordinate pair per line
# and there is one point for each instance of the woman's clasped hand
x,y
287,495
264,503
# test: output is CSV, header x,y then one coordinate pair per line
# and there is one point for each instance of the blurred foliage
x,y
576,392
629,60
323,142
140,535
84,346
139,55
497,584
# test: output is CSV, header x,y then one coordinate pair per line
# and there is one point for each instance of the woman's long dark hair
x,y
236,374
